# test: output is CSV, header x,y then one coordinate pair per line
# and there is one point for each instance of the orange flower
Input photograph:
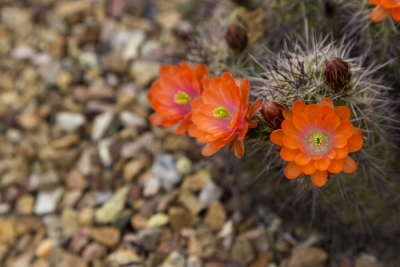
x,y
316,140
172,94
223,114
385,8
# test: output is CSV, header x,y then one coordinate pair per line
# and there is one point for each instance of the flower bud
x,y
337,73
236,37
272,114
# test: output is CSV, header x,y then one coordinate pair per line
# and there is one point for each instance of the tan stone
x,y
29,121
45,248
86,216
66,141
75,179
40,263
215,216
181,218
196,181
8,232
307,257
138,221
25,204
108,236
191,202
133,168
94,251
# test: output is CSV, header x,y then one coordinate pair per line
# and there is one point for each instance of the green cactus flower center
x,y
318,140
220,113
181,98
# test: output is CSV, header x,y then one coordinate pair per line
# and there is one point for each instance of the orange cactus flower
x,y
384,8
223,114
316,140
172,94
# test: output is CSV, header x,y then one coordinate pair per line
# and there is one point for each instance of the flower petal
x,y
288,127
375,2
396,13
379,13
288,154
291,141
331,122
301,121
346,128
322,164
331,154
183,127
359,132
313,112
277,136
336,166
287,113
326,101
298,106
341,153
349,165
302,159
292,170
254,108
340,140
355,143
309,168
343,113
207,150
238,147
319,178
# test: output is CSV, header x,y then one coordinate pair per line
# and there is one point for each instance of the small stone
x,y
191,202
209,193
164,170
166,200
367,260
75,179
215,216
104,152
196,181
94,251
261,260
135,39
86,216
184,166
131,120
23,260
29,121
174,259
194,261
69,218
124,257
152,187
71,8
154,260
149,238
242,251
101,124
133,168
307,257
44,248
8,232
158,220
47,201
108,236
113,207
23,52
139,222
40,263
168,19
181,218
145,71
4,208
25,204
68,259
66,141
70,121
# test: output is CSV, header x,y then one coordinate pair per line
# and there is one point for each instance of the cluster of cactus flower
x,y
314,139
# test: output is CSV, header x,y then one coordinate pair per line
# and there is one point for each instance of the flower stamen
x,y
318,140
181,98
221,113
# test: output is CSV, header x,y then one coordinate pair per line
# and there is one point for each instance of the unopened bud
x,y
236,37
272,114
337,73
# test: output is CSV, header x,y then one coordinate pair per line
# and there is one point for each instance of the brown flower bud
x,y
236,37
272,114
337,73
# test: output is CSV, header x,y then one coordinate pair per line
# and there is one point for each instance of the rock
x,y
68,259
25,204
131,120
152,187
69,218
70,121
114,61
100,125
181,218
193,261
86,216
78,241
226,234
23,260
23,52
49,179
166,200
259,239
104,152
164,170
71,8
168,19
158,220
94,251
113,207
133,168
307,257
75,179
28,121
135,39
71,197
209,193
191,202
149,238
145,71
139,222
154,260
242,252
367,260
66,141
40,263
108,236
8,232
174,259
196,181
4,208
215,216
124,257
44,248
261,260
183,165
47,201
